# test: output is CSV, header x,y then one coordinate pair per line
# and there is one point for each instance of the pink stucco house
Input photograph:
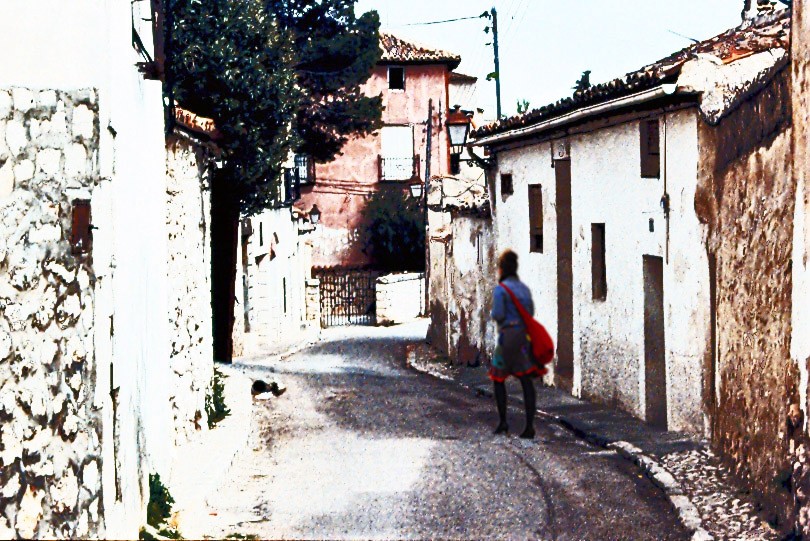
x,y
409,77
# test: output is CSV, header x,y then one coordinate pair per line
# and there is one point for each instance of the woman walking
x,y
513,355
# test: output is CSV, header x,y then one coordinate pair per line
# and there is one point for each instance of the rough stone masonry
x,y
49,425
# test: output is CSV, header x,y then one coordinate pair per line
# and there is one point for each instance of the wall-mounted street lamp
x,y
417,189
314,215
458,128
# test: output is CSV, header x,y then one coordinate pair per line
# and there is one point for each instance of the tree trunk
x,y
224,231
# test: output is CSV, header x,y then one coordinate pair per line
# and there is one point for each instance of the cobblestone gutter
x,y
708,501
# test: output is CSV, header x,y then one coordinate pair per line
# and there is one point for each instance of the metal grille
x,y
348,297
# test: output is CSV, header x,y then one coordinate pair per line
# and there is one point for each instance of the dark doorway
x,y
655,366
565,277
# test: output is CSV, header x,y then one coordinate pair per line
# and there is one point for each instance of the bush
x,y
393,230
215,407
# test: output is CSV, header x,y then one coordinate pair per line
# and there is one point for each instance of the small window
x,y
81,232
650,149
396,78
536,218
598,266
455,164
506,184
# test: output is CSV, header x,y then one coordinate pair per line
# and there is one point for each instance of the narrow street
x,y
362,447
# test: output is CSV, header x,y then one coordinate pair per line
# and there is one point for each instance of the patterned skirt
x,y
513,356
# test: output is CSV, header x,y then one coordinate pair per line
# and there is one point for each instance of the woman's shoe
x,y
502,428
528,434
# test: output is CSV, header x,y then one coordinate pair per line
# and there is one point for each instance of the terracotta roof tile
x,y
763,34
398,51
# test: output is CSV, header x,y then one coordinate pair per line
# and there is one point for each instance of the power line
x,y
442,22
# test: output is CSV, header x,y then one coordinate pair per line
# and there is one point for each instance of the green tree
x,y
230,60
393,231
336,52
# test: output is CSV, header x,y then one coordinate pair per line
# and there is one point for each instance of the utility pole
x,y
428,153
494,13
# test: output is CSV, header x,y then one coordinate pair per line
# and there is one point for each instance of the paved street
x,y
362,447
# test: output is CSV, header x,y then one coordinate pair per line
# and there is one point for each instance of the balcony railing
x,y
305,169
393,169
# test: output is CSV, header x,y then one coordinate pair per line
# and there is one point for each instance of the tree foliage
x,y
393,231
276,76
230,60
336,53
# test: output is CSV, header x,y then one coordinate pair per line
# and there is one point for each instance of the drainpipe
x,y
665,197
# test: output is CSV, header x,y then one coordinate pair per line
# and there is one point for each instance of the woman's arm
x,y
498,304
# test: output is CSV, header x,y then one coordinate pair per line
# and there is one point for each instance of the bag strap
x,y
524,315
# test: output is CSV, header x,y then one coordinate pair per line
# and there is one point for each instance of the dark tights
x,y
529,400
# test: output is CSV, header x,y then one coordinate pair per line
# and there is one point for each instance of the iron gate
x,y
348,296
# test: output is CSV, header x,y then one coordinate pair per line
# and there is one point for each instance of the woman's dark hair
x,y
508,265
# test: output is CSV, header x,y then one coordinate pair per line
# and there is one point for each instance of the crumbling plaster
x,y
746,196
462,275
800,339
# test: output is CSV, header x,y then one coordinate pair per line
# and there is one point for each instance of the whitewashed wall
x,y
609,343
400,297
607,188
278,264
66,46
530,165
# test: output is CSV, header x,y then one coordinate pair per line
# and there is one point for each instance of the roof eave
x,y
450,63
652,94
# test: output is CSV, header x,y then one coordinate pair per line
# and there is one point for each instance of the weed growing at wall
x,y
159,509
215,407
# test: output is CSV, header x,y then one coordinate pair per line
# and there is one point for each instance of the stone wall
x,y
800,343
400,297
188,218
50,426
746,196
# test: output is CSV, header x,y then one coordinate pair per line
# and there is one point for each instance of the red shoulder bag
x,y
542,344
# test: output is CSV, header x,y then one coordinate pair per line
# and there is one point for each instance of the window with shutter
x,y
536,218
81,235
650,149
506,184
598,263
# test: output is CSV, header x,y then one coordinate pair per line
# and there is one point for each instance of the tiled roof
x,y
752,37
398,51
461,78
195,123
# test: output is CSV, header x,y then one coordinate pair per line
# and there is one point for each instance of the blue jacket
x,y
504,310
